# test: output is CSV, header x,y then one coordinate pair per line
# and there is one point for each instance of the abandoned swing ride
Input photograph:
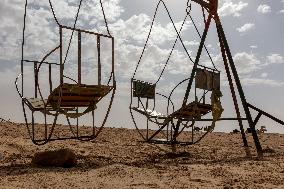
x,y
172,122
73,98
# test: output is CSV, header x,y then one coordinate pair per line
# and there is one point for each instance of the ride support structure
x,y
72,98
179,119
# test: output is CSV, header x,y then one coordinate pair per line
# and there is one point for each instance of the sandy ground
x,y
118,159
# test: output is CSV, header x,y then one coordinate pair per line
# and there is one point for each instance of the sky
x,y
254,30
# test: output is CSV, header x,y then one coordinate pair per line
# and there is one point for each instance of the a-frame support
x,y
233,78
233,94
226,54
228,62
211,7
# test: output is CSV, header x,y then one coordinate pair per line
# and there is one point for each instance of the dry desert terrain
x,y
118,159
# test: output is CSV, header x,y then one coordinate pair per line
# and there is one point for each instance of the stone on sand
x,y
57,158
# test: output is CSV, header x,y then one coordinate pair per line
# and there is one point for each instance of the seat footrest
x,y
150,113
37,104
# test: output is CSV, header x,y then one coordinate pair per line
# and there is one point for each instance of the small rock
x,y
58,158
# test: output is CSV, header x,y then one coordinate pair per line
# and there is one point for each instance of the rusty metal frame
x,y
211,7
48,136
169,120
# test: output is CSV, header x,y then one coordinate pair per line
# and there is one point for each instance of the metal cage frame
x,y
61,105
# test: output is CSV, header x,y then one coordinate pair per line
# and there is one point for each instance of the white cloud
x,y
132,36
281,11
264,75
136,29
275,59
246,27
229,8
42,35
41,32
264,9
191,43
68,9
11,17
253,46
246,63
261,81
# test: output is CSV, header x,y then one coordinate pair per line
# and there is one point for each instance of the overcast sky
x,y
254,29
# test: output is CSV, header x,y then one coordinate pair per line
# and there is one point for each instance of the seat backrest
x,y
206,79
143,89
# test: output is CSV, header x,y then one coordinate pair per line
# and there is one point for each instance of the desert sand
x,y
118,159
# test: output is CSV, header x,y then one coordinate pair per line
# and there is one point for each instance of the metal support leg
x,y
233,94
257,119
240,89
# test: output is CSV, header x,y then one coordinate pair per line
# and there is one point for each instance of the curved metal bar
x,y
110,104
207,132
70,79
174,90
52,10
22,47
188,121
163,3
22,71
169,100
47,55
41,62
167,61
32,133
16,84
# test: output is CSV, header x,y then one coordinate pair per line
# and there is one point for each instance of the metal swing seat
x,y
146,90
187,114
141,89
172,122
70,96
73,99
